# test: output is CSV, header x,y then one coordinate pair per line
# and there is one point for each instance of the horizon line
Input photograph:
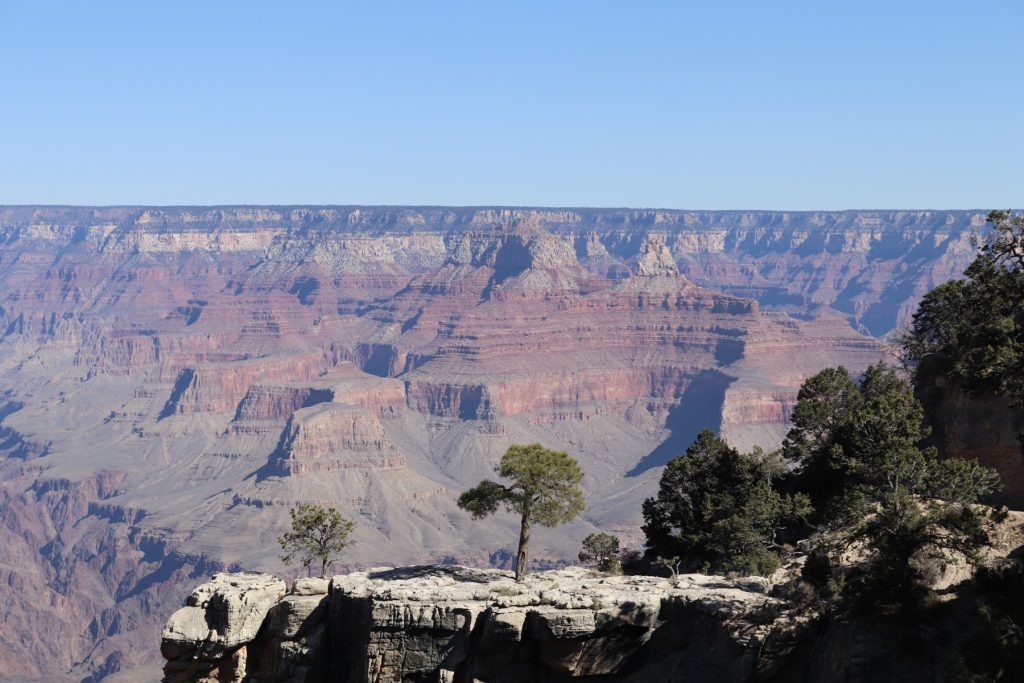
x,y
479,207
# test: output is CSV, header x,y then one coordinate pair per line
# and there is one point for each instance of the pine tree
x,y
318,534
602,550
544,489
887,490
718,507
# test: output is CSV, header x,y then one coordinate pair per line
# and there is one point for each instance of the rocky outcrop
x,y
275,402
333,436
656,259
451,623
218,620
983,427
221,387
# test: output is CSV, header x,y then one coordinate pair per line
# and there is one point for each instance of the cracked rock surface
x,y
453,623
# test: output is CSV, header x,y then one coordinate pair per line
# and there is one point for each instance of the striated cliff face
x,y
227,363
451,623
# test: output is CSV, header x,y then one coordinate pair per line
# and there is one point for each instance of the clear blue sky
x,y
766,104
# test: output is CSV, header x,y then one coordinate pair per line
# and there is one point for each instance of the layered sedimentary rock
x,y
450,623
229,363
332,436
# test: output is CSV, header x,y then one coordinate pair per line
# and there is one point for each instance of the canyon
x,y
174,379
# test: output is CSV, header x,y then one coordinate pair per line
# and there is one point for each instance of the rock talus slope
x,y
174,379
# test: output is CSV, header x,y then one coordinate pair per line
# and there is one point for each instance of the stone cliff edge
x,y
453,623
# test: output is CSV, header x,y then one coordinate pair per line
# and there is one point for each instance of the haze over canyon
x,y
175,379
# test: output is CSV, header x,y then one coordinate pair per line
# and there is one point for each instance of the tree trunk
x,y
524,541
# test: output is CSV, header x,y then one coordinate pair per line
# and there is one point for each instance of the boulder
x,y
295,615
220,615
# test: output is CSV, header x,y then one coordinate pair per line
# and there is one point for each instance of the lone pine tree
x,y
318,534
544,488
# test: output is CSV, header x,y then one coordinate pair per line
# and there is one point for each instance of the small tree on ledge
x,y
602,550
545,489
318,534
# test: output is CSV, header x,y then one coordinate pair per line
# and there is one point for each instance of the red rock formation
x,y
220,388
270,402
334,436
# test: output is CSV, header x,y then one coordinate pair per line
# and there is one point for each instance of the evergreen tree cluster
x,y
853,472
719,509
974,327
858,451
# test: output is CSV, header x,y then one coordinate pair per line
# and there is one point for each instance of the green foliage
x,y
885,489
824,404
718,506
545,488
881,441
857,450
318,534
544,482
817,569
672,565
976,326
995,650
1005,243
483,499
634,562
602,550
820,578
